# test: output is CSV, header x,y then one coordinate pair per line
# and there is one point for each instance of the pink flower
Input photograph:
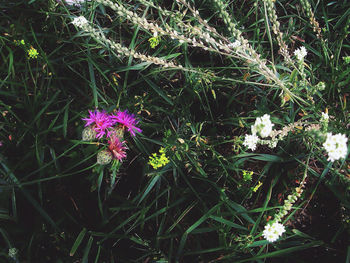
x,y
101,121
117,148
127,121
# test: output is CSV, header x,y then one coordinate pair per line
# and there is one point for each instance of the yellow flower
x,y
32,53
154,41
247,175
257,186
19,42
158,160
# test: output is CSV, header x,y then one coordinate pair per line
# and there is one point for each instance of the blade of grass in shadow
x,y
158,90
6,238
193,227
77,242
282,252
181,216
85,258
30,198
149,187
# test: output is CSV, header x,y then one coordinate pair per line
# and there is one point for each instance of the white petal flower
x,y
300,53
279,228
273,232
250,141
324,117
80,21
273,143
336,147
235,44
73,2
262,126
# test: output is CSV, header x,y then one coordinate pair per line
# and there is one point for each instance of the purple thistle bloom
x,y
101,121
117,147
127,121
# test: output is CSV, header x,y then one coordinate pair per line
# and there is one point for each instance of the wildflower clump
x,y
109,130
273,231
247,175
32,53
154,41
158,160
262,126
235,44
80,21
324,121
324,117
127,121
117,147
100,122
336,146
73,2
19,42
251,141
256,188
300,53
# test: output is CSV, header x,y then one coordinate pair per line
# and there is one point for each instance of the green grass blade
x,y
85,258
228,223
77,242
149,187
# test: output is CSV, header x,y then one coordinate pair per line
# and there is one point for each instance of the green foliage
x,y
197,86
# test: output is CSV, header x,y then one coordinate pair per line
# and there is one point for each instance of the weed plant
x,y
174,131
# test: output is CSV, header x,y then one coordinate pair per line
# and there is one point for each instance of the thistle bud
x,y
88,134
104,157
117,132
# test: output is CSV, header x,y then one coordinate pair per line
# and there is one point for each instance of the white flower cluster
x,y
273,232
251,141
335,146
235,44
300,53
262,126
80,21
13,252
324,117
271,143
74,2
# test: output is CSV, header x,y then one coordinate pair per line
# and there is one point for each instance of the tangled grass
x,y
217,131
